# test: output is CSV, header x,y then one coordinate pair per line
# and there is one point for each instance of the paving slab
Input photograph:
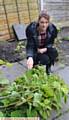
x,y
13,72
63,72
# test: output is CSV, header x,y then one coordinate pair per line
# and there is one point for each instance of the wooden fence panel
x,y
16,11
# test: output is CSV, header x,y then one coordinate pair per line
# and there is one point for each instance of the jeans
x,y
48,58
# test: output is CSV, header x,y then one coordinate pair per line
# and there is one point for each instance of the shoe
x,y
48,70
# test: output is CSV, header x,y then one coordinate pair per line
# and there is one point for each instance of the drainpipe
x,y
41,5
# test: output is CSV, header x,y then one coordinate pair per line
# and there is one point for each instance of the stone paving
x,y
18,68
11,73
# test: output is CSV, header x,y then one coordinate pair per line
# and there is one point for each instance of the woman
x,y
40,40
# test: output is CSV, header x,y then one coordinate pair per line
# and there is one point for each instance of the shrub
x,y
33,94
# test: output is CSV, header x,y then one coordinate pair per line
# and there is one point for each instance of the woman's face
x,y
43,24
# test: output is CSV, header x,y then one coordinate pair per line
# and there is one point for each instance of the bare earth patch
x,y
8,51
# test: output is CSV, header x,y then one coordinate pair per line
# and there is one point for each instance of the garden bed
x,y
11,51
14,51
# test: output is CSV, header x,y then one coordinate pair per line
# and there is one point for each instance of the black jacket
x,y
32,38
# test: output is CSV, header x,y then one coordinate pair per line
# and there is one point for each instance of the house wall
x,y
59,15
58,10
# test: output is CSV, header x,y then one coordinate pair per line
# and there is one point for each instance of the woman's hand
x,y
30,63
41,50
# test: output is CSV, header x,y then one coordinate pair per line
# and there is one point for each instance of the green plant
x,y
4,62
33,94
21,49
66,38
20,46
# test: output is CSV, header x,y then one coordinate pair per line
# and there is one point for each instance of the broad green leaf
x,y
48,90
47,101
65,89
5,92
1,114
65,98
17,113
56,85
9,64
15,94
2,62
43,114
4,81
31,113
37,98
6,102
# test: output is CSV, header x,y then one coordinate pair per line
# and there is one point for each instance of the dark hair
x,y
43,14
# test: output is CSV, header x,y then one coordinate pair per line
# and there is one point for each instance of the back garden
x,y
31,93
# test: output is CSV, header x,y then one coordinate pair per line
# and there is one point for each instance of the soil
x,y
8,53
